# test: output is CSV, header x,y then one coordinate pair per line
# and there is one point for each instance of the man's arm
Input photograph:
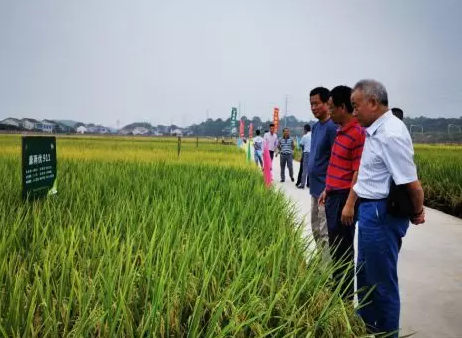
x,y
348,211
416,194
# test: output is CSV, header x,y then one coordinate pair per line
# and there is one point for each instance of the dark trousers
x,y
300,173
341,238
379,238
271,154
286,159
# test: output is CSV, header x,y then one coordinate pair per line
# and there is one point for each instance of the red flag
x,y
241,128
250,130
276,119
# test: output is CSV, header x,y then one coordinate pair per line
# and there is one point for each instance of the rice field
x,y
440,171
141,242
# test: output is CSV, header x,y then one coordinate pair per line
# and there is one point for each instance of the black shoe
x,y
281,180
300,187
292,179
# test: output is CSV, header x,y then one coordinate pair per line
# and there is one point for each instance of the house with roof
x,y
11,121
46,126
29,124
140,131
81,130
10,124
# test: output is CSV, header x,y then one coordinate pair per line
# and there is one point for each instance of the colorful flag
x,y
241,128
251,130
267,164
276,119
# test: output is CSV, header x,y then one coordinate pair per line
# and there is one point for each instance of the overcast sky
x,y
178,61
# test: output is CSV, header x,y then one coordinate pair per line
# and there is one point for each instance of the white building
x,y
10,121
140,131
29,124
176,132
81,130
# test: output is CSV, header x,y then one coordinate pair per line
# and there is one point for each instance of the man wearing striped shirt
x,y
341,175
387,156
286,147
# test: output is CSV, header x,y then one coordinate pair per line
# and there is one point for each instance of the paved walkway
x,y
430,267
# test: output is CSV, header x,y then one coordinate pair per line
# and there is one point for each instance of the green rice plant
x,y
152,245
440,171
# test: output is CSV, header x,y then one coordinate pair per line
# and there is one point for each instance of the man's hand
x,y
419,218
348,214
322,198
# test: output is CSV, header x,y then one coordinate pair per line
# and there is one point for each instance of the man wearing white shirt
x,y
271,138
305,143
387,156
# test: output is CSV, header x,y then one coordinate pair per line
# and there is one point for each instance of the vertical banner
x,y
276,119
250,131
241,129
249,155
233,121
267,165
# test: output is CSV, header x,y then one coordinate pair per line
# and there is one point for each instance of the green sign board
x,y
38,166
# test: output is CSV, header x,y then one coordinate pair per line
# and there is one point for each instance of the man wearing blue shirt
x,y
322,138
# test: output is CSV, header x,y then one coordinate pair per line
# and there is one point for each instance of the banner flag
x,y
241,129
267,164
276,119
233,121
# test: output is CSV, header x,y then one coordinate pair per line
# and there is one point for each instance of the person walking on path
x,y
387,159
286,148
339,200
305,143
271,138
258,148
322,138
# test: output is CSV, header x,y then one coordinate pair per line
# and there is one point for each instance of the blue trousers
x,y
258,157
379,240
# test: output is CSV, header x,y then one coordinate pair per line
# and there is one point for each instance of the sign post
x,y
179,145
38,166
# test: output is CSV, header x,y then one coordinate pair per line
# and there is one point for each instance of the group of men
x,y
359,148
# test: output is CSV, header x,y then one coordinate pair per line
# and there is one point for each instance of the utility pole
x,y
285,113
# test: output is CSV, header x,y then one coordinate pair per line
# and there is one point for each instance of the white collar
x,y
377,123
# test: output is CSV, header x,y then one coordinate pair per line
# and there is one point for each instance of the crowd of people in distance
x,y
357,161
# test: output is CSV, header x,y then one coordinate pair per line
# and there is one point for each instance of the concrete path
x,y
430,267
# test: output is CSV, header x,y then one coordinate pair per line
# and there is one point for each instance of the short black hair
x,y
285,129
257,132
271,125
307,127
341,97
398,112
322,92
